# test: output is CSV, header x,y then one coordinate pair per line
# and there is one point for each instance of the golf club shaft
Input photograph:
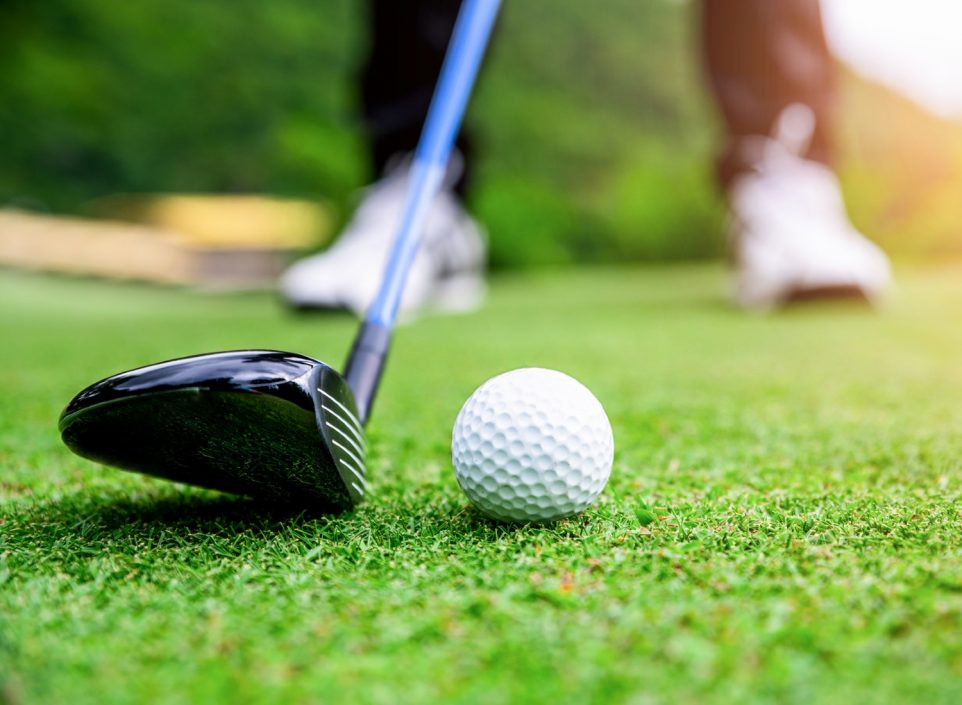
x,y
464,54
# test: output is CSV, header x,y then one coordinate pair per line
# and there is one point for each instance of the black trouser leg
x,y
761,56
407,44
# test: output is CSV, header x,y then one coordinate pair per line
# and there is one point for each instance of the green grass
x,y
782,524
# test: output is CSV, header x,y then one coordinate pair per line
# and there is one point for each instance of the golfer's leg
x,y
406,48
763,56
773,78
405,51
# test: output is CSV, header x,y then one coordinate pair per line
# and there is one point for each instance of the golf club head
x,y
261,423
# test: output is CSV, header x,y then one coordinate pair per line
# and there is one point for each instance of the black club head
x,y
262,423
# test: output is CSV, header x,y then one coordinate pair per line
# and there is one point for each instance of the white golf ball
x,y
532,445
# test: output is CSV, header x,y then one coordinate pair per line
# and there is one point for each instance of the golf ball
x,y
532,445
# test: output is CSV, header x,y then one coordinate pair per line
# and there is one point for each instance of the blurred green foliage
x,y
101,96
595,138
598,139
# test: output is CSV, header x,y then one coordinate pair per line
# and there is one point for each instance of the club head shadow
x,y
273,425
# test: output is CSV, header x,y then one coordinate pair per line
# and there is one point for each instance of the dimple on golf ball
x,y
532,445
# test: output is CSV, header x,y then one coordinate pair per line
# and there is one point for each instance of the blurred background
x,y
596,137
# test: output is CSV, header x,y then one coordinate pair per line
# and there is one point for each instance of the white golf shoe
x,y
791,236
447,274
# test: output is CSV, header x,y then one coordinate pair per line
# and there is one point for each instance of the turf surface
x,y
782,524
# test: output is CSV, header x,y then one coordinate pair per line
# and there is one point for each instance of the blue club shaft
x,y
451,95
465,52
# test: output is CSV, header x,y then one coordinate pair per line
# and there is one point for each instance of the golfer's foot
x,y
791,237
447,273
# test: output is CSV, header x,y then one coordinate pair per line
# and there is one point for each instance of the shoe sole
x,y
843,292
462,293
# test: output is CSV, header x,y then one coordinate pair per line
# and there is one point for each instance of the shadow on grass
x,y
471,522
195,523
195,513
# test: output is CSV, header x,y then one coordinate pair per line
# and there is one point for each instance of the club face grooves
x,y
245,422
337,419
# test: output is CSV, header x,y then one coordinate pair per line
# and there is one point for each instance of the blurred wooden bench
x,y
205,241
